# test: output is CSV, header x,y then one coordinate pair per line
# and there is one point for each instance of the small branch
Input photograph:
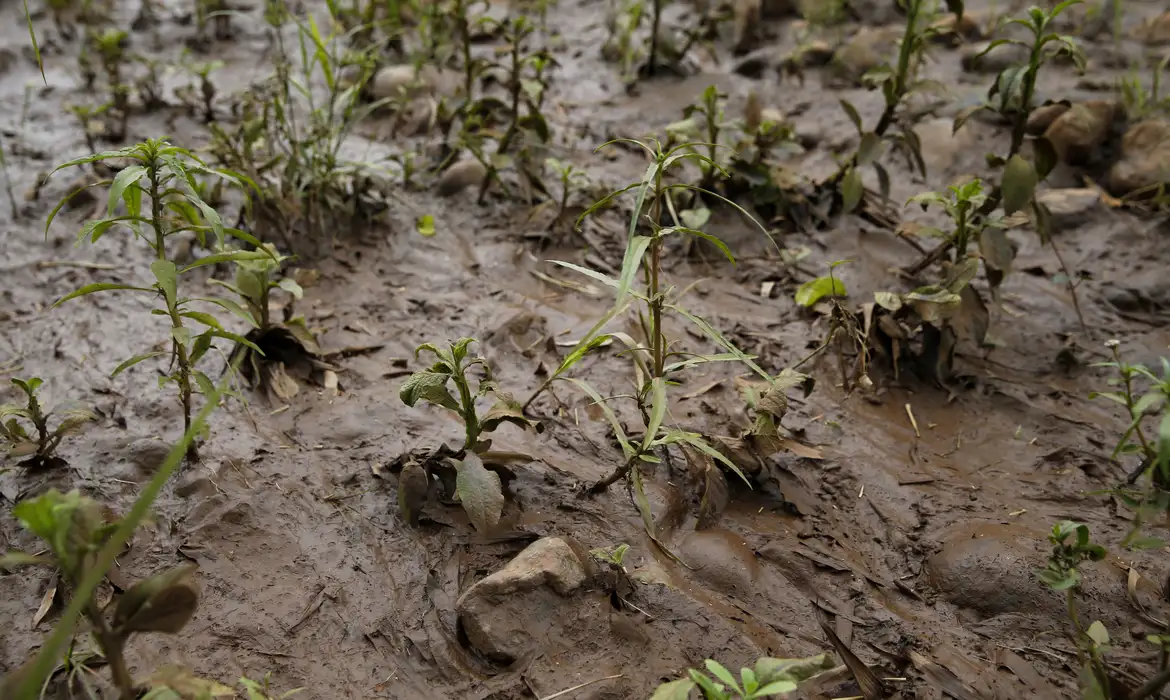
x,y
617,475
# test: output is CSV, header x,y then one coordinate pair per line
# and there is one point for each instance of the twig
x,y
578,687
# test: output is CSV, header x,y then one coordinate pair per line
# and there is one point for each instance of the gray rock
x,y
507,614
864,51
992,570
1071,206
941,149
460,176
1145,158
147,454
1078,133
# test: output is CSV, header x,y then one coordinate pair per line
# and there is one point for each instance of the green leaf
x,y
127,177
723,342
630,265
722,674
98,287
204,318
480,492
709,238
695,218
776,688
869,149
428,386
32,36
851,190
13,559
226,256
627,449
168,280
813,291
798,670
1019,184
135,360
1098,633
593,274
674,690
851,112
425,225
657,411
231,306
888,300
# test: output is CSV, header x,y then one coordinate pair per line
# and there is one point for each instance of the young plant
x,y
1070,548
290,138
76,529
844,329
526,81
84,547
769,678
158,193
621,47
897,83
1145,396
1140,102
569,177
478,488
286,341
655,364
37,443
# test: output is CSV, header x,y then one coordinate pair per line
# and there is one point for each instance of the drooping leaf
x,y
429,386
162,603
814,290
869,149
98,287
480,491
168,280
798,670
505,410
851,190
674,690
127,177
1019,184
127,364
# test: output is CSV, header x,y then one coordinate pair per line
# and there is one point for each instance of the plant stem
x,y
514,88
181,358
113,647
652,271
467,401
650,67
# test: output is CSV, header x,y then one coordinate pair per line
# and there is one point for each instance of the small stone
x,y
1070,206
147,454
864,51
508,613
460,176
1078,133
1145,158
1156,30
941,149
991,572
995,60
1042,117
394,81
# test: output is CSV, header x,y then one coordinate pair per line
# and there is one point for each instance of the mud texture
x,y
921,542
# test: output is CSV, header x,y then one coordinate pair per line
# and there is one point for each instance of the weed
x,y
287,341
39,444
844,329
655,364
160,199
769,678
897,83
289,139
526,81
1140,102
623,20
478,488
569,177
1144,395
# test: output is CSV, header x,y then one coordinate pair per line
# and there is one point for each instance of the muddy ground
x,y
923,541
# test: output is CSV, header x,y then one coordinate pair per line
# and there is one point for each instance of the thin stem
x,y
112,648
467,401
654,37
652,272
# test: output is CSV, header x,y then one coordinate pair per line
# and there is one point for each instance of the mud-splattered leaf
x,y
505,410
851,190
888,300
869,149
933,304
971,320
1019,184
674,690
187,685
11,560
480,491
162,603
769,670
813,291
1098,633
961,275
996,249
428,386
695,218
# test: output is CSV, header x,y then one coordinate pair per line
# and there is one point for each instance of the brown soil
x,y
924,543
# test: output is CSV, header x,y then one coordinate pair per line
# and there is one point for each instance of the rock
x,y
1145,158
995,60
392,81
747,24
1078,133
1070,206
940,148
869,12
777,9
1042,117
1155,30
147,454
991,570
720,560
506,614
953,31
864,51
1143,292
754,63
460,176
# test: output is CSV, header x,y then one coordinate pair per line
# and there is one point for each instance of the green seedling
x,y
1140,102
158,195
570,177
769,678
845,333
285,341
84,546
76,528
217,11
36,442
150,89
1144,395
526,81
1071,547
110,46
654,363
290,137
611,555
621,47
478,488
897,84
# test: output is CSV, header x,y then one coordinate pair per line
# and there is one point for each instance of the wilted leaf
x,y
1046,157
798,670
933,304
1098,633
813,291
162,603
695,218
46,603
997,255
480,491
428,386
187,685
1019,184
869,149
888,300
